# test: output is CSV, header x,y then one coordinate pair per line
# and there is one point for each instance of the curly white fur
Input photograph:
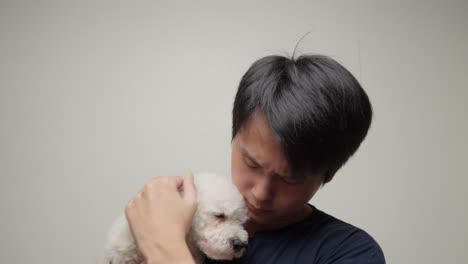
x,y
217,227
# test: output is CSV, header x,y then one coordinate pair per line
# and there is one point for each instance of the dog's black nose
x,y
238,245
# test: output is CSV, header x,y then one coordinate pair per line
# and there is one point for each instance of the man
x,y
295,123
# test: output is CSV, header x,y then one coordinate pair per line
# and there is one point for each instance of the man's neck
x,y
253,227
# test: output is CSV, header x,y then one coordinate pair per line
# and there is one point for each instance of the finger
x,y
190,192
164,183
176,182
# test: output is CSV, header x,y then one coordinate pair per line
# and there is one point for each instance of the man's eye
x,y
288,180
251,164
219,215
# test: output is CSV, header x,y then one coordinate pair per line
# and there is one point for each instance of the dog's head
x,y
217,227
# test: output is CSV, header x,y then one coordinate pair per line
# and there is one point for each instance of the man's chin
x,y
261,219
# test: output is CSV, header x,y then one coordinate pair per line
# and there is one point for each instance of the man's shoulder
x,y
333,240
321,238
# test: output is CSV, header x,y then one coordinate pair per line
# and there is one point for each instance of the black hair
x,y
318,111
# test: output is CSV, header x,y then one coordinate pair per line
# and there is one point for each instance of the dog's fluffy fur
x,y
217,227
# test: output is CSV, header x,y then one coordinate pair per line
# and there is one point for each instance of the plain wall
x,y
96,98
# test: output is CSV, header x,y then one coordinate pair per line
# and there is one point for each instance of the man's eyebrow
x,y
256,163
247,155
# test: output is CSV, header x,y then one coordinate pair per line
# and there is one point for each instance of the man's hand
x,y
160,216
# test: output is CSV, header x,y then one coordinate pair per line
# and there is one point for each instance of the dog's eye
x,y
219,215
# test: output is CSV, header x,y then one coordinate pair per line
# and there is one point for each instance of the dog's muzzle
x,y
237,245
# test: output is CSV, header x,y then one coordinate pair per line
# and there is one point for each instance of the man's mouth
x,y
257,210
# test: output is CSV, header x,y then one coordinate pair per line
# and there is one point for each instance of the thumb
x,y
190,192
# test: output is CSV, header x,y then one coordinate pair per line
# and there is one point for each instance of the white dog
x,y
217,228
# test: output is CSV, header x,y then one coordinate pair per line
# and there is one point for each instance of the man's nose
x,y
263,190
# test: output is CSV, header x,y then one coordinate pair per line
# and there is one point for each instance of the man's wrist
x,y
172,251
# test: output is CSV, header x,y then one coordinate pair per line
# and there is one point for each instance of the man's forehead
x,y
274,162
257,126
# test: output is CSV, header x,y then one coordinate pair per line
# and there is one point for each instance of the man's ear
x,y
329,174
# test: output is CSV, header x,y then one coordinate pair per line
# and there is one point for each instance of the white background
x,y
96,98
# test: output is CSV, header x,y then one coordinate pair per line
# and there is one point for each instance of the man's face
x,y
260,172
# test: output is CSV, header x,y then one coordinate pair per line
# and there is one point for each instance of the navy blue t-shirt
x,y
320,238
